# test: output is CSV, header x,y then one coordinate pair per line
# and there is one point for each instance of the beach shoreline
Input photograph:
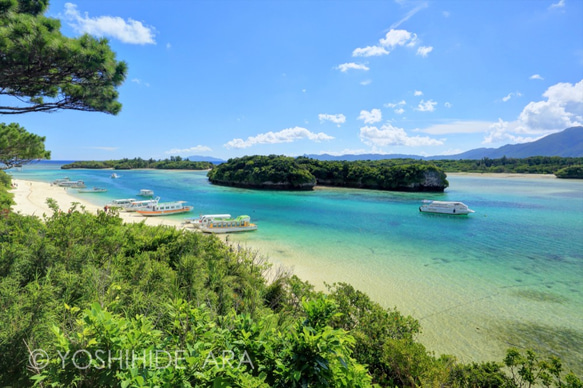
x,y
30,198
502,175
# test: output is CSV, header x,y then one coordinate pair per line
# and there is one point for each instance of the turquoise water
x,y
510,274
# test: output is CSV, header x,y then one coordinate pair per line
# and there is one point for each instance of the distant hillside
x,y
567,143
349,157
199,158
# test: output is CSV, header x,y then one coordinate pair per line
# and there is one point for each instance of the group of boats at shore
x,y
219,223
152,207
209,223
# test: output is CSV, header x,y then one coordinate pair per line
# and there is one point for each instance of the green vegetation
x,y
573,172
18,147
174,163
45,71
281,172
268,172
6,200
116,304
531,165
389,174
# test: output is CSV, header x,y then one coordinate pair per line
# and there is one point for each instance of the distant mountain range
x,y
567,143
199,158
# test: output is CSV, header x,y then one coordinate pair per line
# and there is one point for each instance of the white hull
x,y
445,207
205,219
446,211
156,213
232,229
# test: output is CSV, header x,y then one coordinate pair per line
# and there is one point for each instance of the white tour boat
x,y
166,209
141,205
72,184
445,207
232,225
61,180
197,222
121,202
114,176
145,193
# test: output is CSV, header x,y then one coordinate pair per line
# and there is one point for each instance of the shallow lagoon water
x,y
510,274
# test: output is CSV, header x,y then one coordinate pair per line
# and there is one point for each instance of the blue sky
x,y
232,78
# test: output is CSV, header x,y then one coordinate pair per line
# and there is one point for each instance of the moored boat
x,y
141,205
145,193
232,225
445,207
72,184
92,190
121,202
61,180
166,209
197,222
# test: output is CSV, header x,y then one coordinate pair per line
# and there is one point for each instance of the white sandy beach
x,y
31,199
503,175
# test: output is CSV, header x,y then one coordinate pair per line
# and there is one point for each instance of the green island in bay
x,y
172,163
287,173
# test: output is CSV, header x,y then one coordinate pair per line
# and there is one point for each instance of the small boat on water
x,y
141,205
92,190
121,202
114,176
72,184
231,225
145,193
61,180
197,222
166,209
445,207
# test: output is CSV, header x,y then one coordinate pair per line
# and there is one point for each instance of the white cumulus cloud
x,y
284,136
369,51
178,151
355,66
374,116
388,135
397,107
417,93
336,119
130,31
501,132
395,38
562,108
536,76
426,106
424,50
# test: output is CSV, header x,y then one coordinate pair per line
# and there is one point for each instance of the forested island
x,y
530,165
287,173
174,163
573,172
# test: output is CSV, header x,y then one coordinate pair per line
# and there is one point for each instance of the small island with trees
x,y
287,173
174,163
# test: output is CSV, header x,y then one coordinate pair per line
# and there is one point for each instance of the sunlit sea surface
x,y
510,274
